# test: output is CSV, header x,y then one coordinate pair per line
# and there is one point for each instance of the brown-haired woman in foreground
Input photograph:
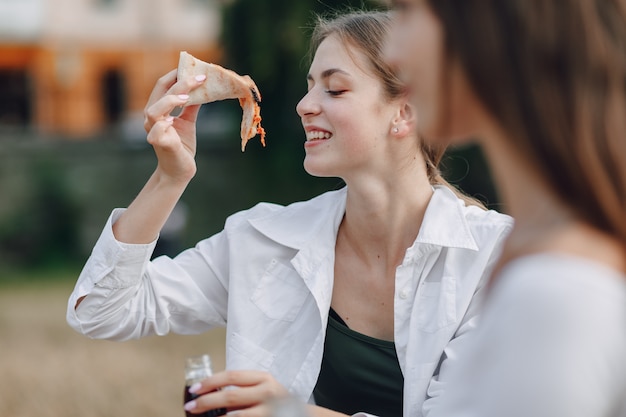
x,y
542,86
356,298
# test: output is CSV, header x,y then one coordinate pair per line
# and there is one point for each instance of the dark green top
x,y
359,373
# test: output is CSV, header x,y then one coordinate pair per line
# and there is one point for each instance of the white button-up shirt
x,y
268,277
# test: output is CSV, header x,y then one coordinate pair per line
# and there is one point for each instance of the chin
x,y
313,169
320,171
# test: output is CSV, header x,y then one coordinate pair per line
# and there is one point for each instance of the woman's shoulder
x,y
476,218
554,293
487,224
555,268
480,216
556,279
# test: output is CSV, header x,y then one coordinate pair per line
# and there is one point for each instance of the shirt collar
x,y
299,224
445,223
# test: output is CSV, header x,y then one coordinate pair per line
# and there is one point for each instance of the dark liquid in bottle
x,y
211,413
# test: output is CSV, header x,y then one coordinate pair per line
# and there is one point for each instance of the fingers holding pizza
x,y
173,137
196,82
170,93
192,84
222,84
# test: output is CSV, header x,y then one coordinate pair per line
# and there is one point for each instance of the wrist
x,y
178,181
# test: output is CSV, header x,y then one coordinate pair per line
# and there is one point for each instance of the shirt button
x,y
403,294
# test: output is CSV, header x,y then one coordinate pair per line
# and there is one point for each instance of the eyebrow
x,y
327,73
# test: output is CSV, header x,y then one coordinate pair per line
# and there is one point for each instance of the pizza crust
x,y
223,84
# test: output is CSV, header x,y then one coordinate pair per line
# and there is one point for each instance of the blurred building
x,y
73,67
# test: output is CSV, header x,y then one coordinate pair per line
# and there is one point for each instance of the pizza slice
x,y
222,84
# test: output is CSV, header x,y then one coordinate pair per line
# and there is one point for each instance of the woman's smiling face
x,y
345,113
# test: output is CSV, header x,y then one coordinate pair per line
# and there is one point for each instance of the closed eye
x,y
335,92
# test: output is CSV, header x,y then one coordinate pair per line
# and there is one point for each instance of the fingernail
x,y
195,387
190,405
183,96
169,119
200,77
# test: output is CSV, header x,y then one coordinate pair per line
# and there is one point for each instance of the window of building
x,y
15,100
114,96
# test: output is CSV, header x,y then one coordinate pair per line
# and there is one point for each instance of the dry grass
x,y
48,370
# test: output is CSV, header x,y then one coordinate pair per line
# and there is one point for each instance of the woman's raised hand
x,y
174,142
173,137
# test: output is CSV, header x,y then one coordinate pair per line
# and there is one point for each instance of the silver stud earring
x,y
395,130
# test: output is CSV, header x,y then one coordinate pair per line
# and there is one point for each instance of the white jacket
x,y
268,277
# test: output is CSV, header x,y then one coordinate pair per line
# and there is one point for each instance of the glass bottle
x,y
198,368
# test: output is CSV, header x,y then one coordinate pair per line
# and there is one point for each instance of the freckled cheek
x,y
424,81
342,117
395,44
359,139
398,50
418,52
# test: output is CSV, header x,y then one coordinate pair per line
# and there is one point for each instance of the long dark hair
x,y
553,73
367,31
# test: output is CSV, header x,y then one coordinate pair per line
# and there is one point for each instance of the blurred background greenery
x,y
55,194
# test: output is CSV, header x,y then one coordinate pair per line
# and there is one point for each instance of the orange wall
x,y
67,97
16,56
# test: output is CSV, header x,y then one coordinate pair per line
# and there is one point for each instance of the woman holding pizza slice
x,y
358,300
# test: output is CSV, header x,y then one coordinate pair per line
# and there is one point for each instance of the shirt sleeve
x,y
550,344
127,296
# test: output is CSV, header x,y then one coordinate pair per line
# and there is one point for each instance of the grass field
x,y
48,370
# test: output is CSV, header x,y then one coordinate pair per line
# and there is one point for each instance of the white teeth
x,y
316,134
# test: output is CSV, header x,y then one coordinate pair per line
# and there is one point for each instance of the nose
x,y
308,105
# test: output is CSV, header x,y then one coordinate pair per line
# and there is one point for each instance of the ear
x,y
405,121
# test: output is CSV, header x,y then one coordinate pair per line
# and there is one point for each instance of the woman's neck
x,y
542,222
383,218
